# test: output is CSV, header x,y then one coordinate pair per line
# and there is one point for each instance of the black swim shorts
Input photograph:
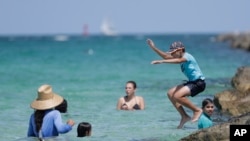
x,y
196,86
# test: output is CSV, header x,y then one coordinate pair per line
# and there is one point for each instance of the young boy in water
x,y
195,84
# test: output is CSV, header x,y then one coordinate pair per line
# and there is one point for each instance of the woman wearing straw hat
x,y
46,121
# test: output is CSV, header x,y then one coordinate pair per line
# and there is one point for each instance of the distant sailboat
x,y
107,28
85,30
61,38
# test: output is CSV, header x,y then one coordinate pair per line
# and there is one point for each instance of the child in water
x,y
205,120
84,129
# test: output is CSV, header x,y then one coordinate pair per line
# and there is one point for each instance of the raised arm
x,y
164,55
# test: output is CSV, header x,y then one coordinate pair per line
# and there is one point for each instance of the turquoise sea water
x,y
91,72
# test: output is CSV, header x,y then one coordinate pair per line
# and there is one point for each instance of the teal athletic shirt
x,y
191,68
204,121
52,125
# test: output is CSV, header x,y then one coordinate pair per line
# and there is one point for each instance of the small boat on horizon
x,y
107,28
61,38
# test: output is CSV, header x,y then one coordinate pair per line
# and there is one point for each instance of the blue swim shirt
x,y
204,121
52,125
191,68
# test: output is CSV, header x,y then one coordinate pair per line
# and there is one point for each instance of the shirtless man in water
x,y
194,85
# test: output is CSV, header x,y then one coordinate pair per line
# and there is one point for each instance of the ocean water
x,y
91,72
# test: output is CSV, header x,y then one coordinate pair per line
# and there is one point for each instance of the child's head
x,y
83,129
208,106
177,49
62,107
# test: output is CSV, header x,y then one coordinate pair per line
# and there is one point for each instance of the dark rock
x,y
220,132
236,101
241,80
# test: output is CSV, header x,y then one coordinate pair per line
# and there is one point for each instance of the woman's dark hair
x,y
133,83
206,101
62,107
39,114
83,129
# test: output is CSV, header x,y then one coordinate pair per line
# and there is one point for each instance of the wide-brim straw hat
x,y
46,98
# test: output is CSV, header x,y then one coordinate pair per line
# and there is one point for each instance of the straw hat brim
x,y
47,104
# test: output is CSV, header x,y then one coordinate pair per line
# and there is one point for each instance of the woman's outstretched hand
x,y
150,42
70,122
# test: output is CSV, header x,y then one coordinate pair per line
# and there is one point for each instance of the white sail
x,y
61,38
107,28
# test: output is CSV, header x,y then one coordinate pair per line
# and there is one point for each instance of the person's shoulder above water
x,y
140,103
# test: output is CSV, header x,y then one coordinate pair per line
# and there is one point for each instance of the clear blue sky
x,y
128,16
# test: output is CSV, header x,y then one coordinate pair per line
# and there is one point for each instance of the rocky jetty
x,y
218,132
235,103
236,40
